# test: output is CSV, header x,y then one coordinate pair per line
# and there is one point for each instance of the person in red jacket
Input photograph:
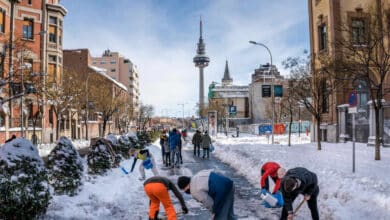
x,y
275,171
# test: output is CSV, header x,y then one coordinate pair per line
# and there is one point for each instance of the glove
x,y
185,210
264,191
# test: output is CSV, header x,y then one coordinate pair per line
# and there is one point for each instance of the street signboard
x,y
352,99
232,110
352,110
278,89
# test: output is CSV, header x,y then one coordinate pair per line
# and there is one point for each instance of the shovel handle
x,y
299,206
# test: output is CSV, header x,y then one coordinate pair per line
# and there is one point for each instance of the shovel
x,y
299,206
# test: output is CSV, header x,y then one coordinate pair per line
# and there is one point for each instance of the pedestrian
x,y
237,131
273,170
156,188
180,147
214,191
184,135
173,140
299,181
148,162
196,141
205,143
167,155
163,140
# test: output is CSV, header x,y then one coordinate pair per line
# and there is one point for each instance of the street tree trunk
x,y
318,134
377,134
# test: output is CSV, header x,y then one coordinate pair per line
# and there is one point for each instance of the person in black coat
x,y
299,181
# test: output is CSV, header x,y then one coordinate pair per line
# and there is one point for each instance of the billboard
x,y
212,123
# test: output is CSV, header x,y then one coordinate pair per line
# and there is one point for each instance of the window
x,y
53,34
112,62
52,58
102,62
60,36
325,97
53,20
60,22
113,70
51,72
2,20
28,29
322,36
29,2
94,62
358,31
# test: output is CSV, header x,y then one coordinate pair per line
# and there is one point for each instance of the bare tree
x,y
313,88
365,53
144,115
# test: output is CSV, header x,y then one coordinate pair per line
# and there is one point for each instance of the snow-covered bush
x,y
65,168
24,188
143,138
134,140
116,148
125,144
100,156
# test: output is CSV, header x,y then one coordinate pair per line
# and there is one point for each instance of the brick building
x,y
101,91
30,53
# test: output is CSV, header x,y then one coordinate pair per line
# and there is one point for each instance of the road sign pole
x,y
353,142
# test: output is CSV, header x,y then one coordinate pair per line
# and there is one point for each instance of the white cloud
x,y
163,45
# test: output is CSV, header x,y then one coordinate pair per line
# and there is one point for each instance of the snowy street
x,y
343,195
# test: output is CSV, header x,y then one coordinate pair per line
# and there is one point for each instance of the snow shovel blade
x,y
124,170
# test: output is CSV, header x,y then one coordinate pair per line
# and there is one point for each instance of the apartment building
x,y
124,71
30,54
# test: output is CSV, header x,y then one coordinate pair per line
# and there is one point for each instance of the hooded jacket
x,y
270,169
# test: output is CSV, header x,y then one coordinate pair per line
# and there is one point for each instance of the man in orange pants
x,y
157,190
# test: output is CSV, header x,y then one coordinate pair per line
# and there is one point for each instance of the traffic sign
x,y
352,99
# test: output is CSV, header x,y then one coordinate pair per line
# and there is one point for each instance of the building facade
x,y
30,54
230,101
260,97
101,91
124,71
333,21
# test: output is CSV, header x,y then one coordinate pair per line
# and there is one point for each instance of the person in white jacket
x,y
215,191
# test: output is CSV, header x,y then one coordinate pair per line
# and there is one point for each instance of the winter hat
x,y
183,181
290,184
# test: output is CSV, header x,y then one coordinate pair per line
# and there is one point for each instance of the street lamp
x,y
182,104
272,87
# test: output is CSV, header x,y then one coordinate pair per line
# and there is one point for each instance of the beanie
x,y
183,181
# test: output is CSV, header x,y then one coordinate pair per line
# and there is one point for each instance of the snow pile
x,y
65,168
364,194
24,188
124,145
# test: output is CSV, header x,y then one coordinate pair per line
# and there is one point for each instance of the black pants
x,y
196,149
167,158
311,203
206,150
266,186
180,157
163,153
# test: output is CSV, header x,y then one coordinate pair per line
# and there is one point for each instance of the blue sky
x,y
160,37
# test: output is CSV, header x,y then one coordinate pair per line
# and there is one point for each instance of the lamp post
x,y
272,87
86,107
182,104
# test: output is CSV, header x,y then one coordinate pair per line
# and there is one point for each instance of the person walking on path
x,y
273,170
163,140
180,159
196,141
205,143
156,188
173,140
214,191
148,162
299,181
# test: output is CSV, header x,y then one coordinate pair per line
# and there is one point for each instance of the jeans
x,y
196,149
206,150
227,211
311,203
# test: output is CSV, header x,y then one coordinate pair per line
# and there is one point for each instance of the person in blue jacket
x,y
174,141
215,191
